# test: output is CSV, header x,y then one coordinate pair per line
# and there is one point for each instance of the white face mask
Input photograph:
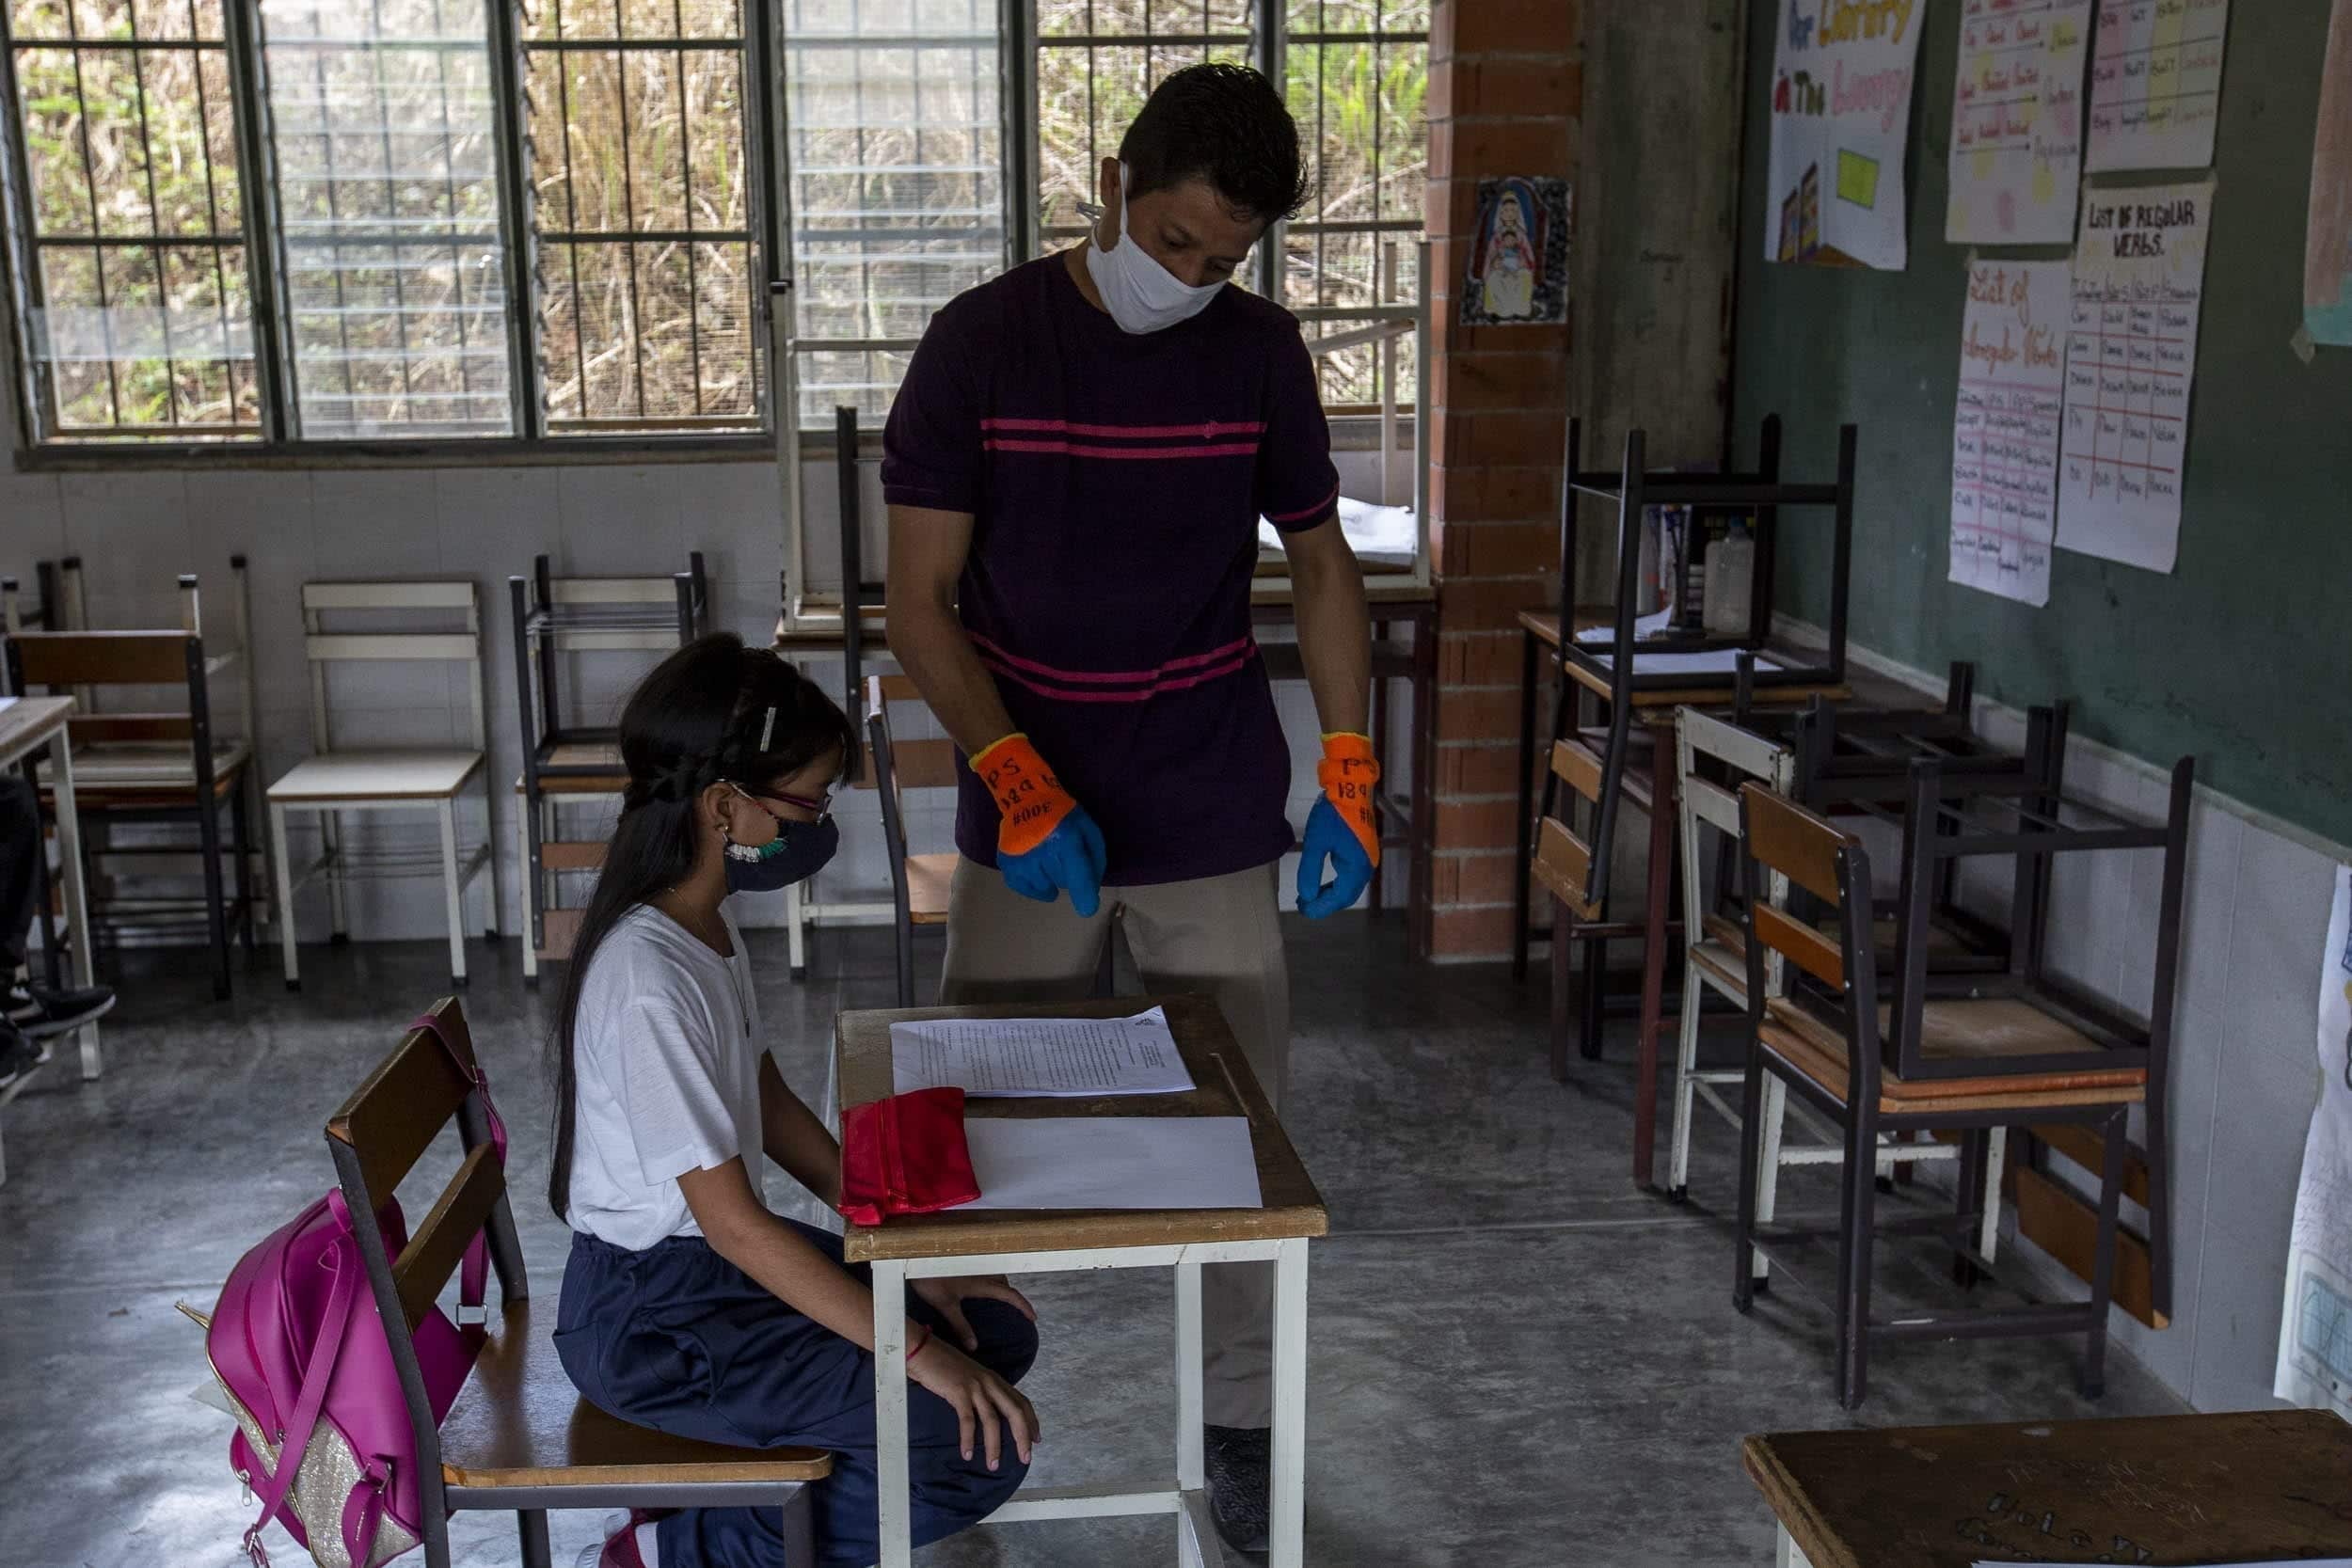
x,y
1141,295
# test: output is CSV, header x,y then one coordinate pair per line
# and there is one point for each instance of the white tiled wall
x,y
2244,1066
136,531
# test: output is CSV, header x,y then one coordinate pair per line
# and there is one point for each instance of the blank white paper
x,y
1048,1058
1704,661
1113,1163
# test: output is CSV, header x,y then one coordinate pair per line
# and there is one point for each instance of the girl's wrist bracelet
x,y
920,1346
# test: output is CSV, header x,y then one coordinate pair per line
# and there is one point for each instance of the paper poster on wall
x,y
2130,360
1842,74
2328,247
2017,121
2155,84
2316,1334
2005,430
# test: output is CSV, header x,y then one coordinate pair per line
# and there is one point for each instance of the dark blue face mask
x,y
798,853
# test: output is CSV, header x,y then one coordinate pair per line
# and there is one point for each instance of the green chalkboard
x,y
2243,656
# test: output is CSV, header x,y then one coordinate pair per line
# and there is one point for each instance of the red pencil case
x,y
905,1155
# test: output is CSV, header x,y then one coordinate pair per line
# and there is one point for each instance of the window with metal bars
x,y
894,117
125,214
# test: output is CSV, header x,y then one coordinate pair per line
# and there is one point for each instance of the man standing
x,y
1076,468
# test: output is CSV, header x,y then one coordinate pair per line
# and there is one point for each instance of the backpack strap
x,y
294,1441
472,1074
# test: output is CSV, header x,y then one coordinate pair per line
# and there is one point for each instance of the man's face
x,y
1187,229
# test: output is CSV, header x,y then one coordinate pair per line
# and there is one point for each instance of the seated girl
x,y
688,1306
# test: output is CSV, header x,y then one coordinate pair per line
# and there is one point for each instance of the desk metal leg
x,y
284,911
1288,1533
1662,809
1521,925
1191,1467
895,1501
77,896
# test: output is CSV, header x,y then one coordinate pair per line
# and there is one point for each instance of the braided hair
x,y
714,712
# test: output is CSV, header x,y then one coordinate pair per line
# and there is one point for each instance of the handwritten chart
x,y
2131,359
2005,432
2017,121
2155,83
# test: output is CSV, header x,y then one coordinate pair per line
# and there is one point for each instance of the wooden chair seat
x,y
598,784
1942,943
1637,782
928,876
147,766
518,1421
408,775
1983,1029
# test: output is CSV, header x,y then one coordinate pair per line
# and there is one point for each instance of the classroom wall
x,y
136,530
2237,656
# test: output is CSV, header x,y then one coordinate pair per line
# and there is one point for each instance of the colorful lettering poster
x,y
1842,76
2315,1332
2005,430
2130,360
2017,121
2328,249
2155,84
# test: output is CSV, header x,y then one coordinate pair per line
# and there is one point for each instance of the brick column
x,y
1505,86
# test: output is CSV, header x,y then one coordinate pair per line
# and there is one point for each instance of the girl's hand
x,y
981,1399
946,1297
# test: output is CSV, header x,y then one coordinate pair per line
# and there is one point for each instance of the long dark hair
x,y
697,720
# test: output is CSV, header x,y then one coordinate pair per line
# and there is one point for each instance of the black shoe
x,y
39,1012
1240,1466
18,1056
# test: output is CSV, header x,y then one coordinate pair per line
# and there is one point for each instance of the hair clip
x,y
767,730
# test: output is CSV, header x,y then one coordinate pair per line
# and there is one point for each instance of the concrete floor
x,y
1517,1358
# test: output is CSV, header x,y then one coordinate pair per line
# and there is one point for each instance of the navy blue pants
x,y
677,1339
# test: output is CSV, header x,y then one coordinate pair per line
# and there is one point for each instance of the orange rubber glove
x,y
1339,831
1045,841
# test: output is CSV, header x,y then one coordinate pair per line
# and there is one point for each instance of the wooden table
x,y
1033,1242
1408,821
2249,1487
28,727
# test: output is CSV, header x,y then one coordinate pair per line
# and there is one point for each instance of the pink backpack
x,y
299,1348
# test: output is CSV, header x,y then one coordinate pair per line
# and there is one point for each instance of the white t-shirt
x,y
667,1062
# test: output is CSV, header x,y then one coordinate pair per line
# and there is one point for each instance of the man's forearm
x,y
1335,642
930,645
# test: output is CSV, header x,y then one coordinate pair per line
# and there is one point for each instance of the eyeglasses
x,y
821,806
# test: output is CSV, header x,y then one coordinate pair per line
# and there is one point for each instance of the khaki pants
x,y
1218,936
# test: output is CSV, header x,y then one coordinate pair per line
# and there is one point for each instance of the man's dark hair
x,y
1225,124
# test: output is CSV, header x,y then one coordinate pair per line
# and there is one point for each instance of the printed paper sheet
x,y
2130,360
2155,83
2005,429
2017,121
2315,1334
1842,76
1074,1057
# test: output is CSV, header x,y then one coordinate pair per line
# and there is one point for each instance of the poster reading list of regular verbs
x,y
2017,121
2155,83
2005,432
2130,360
2315,1330
1842,76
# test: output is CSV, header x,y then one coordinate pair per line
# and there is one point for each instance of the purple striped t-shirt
x,y
1116,481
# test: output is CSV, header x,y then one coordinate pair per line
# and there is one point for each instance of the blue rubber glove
x,y
1330,838
1070,857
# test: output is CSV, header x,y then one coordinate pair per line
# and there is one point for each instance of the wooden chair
x,y
568,765
154,766
1964,1065
519,1437
918,883
379,780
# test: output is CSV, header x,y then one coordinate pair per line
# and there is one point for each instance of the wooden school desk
x,y
2258,1486
27,725
986,1242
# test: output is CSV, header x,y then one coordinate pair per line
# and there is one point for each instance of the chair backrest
x,y
454,599
82,662
1781,837
1565,861
894,766
1708,750
591,614
377,1136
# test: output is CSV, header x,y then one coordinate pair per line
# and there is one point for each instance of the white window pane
x,y
394,270
897,189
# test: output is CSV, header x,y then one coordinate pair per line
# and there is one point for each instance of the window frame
x,y
775,344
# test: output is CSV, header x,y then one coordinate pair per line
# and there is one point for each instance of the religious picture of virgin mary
x,y
1518,268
